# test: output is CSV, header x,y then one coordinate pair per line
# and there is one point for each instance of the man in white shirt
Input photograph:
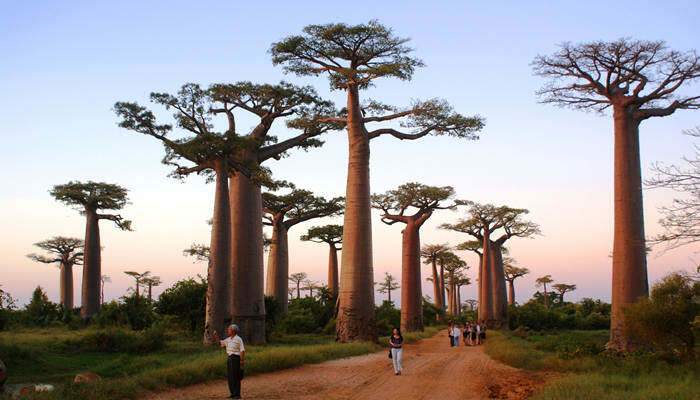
x,y
456,333
234,364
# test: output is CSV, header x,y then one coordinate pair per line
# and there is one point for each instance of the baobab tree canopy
x,y
431,252
331,234
641,76
425,199
95,196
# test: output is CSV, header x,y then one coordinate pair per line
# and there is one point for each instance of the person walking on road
x,y
396,340
457,334
234,364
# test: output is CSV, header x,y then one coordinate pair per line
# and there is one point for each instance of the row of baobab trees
x,y
638,80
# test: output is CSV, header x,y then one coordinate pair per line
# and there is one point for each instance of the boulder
x,y
86,377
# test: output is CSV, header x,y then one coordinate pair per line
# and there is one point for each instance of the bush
x,y
132,311
388,318
666,319
40,311
186,301
308,314
117,341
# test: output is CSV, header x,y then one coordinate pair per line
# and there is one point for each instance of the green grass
x,y
55,355
593,373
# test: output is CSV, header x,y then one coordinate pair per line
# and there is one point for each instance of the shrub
x,y
40,311
186,302
133,311
666,318
388,318
117,341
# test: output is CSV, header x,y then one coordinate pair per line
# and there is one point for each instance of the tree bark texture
x,y
92,267
629,275
278,265
511,293
67,286
333,268
436,286
485,279
442,286
218,307
247,280
411,289
499,295
356,318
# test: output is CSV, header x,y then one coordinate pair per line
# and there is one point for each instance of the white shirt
x,y
456,332
234,345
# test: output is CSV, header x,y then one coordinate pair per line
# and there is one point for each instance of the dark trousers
x,y
233,373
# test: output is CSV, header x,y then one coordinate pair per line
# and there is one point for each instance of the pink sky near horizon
x,y
73,61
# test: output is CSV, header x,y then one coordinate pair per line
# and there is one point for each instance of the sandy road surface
x,y
432,370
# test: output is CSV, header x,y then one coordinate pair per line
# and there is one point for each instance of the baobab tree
x,y
472,303
453,266
562,288
431,253
353,58
103,279
638,80
297,279
310,286
681,220
483,222
150,282
461,279
199,251
395,205
542,282
138,279
91,198
235,272
332,235
388,284
282,212
512,273
67,252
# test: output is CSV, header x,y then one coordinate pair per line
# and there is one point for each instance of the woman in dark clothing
x,y
396,340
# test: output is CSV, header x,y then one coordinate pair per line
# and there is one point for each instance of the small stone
x,y
86,377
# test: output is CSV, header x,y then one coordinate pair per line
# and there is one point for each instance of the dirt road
x,y
432,370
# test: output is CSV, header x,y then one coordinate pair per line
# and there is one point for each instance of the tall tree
x,y
103,279
297,279
310,286
512,273
681,220
542,282
138,278
461,279
388,284
453,267
638,80
64,251
225,155
281,212
353,58
333,236
563,288
483,222
91,198
150,282
395,205
431,253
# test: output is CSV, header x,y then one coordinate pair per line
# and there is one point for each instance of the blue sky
x,y
64,65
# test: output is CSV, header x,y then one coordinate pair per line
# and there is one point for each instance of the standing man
x,y
457,334
234,364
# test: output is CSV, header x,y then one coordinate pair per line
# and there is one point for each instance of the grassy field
x,y
593,373
151,361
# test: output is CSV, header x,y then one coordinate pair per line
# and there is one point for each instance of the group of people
x,y
471,334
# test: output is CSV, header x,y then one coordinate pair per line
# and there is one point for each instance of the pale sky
x,y
64,65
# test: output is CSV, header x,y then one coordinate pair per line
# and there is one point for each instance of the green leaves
x,y
299,205
439,116
331,234
422,197
481,217
350,54
91,195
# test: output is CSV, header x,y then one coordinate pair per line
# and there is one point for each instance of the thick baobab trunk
x,y
278,265
459,300
67,286
442,286
411,289
485,279
218,308
629,275
247,297
92,267
436,286
356,319
333,269
511,293
498,289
